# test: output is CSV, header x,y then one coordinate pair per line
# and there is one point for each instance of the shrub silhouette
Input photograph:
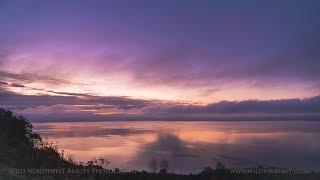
x,y
21,147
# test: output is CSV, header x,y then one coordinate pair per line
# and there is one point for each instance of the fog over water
x,y
190,146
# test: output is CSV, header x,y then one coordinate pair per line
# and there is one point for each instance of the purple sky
x,y
89,58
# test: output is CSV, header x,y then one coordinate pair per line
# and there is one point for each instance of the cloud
x,y
211,50
70,94
4,54
3,83
193,48
79,106
188,68
69,105
16,85
27,78
14,99
58,109
282,106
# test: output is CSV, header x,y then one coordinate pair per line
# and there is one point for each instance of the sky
x,y
85,59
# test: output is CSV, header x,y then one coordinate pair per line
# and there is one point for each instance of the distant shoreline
x,y
182,117
52,121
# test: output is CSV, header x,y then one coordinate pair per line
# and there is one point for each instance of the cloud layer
x,y
75,106
104,58
241,50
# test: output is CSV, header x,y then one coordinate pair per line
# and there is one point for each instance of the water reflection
x,y
189,146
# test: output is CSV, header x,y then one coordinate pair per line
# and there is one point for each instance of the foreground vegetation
x,y
25,155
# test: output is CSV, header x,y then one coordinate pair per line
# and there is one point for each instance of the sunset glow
x,y
154,55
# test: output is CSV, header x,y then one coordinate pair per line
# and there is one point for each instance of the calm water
x,y
190,146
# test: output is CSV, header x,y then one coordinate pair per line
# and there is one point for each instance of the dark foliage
x,y
20,147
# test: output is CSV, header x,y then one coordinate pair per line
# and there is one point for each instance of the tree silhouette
x,y
164,165
220,165
154,165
